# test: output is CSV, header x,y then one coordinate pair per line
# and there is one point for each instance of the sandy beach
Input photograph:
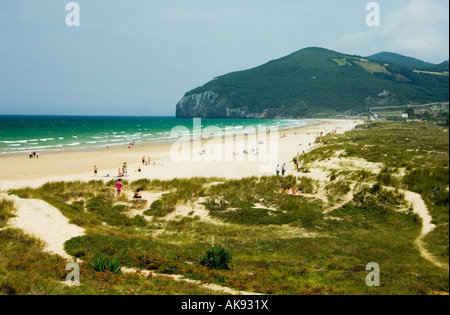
x,y
166,162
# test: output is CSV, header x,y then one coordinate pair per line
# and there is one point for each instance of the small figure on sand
x,y
119,187
143,160
137,194
294,191
95,170
278,169
283,169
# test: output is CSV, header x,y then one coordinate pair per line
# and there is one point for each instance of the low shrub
x,y
103,264
217,258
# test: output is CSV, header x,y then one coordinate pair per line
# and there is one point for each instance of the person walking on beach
x,y
31,155
143,160
278,169
119,187
283,169
95,170
37,155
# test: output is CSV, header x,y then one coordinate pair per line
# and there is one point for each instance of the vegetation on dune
x,y
217,258
415,157
264,240
6,211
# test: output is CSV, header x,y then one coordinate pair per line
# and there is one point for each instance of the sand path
x,y
421,209
45,222
418,205
213,287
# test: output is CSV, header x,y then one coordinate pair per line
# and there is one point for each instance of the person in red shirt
x,y
119,187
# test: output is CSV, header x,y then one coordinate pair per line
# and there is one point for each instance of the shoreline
x,y
21,171
142,144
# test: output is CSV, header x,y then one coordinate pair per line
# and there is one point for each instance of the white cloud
x,y
418,29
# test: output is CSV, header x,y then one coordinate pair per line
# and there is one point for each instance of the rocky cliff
x,y
209,105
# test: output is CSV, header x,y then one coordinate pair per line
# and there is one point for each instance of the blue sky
x,y
139,57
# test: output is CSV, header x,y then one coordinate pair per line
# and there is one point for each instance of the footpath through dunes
x,y
213,287
414,199
43,221
421,209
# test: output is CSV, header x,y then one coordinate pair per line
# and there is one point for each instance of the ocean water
x,y
50,134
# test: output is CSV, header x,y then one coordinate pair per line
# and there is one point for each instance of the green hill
x,y
309,83
409,62
400,60
442,67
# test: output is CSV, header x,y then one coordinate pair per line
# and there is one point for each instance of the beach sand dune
x,y
39,219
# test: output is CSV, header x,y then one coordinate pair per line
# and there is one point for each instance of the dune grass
x,y
6,211
280,244
26,270
420,149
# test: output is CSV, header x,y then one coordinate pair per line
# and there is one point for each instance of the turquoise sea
x,y
50,134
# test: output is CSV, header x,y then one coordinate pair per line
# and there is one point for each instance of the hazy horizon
x,y
129,58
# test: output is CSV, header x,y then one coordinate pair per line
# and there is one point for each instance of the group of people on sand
x,y
34,155
146,161
123,170
293,192
281,169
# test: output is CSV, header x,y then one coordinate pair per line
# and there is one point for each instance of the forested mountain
x,y
312,82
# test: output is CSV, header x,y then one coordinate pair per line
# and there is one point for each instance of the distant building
x,y
406,116
445,106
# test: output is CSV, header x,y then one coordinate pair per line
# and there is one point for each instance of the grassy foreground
x,y
280,244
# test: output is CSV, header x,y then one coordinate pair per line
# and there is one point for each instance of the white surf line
x,y
43,221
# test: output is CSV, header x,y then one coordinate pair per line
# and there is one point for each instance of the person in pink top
x,y
119,187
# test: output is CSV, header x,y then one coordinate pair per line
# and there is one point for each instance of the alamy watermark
x,y
229,144
374,17
373,278
73,17
73,278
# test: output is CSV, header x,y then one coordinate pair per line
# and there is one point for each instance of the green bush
x,y
103,264
217,258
